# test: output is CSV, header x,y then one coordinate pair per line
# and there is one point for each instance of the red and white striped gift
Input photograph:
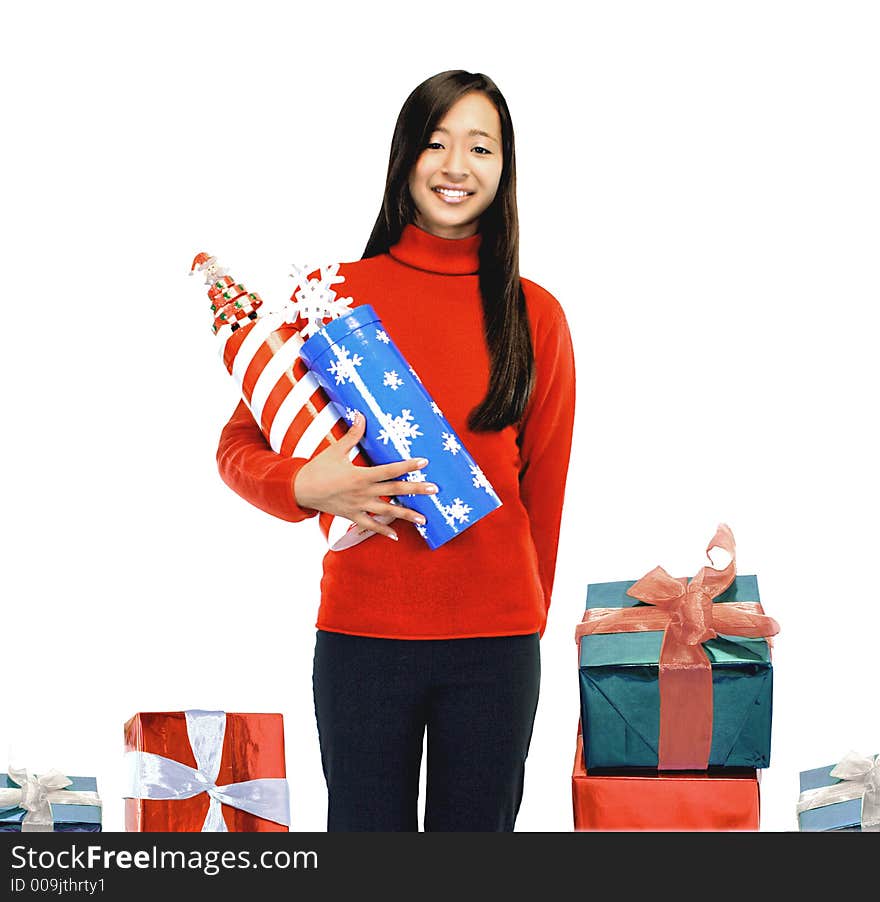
x,y
260,351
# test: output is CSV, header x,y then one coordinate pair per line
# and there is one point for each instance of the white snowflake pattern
x,y
400,431
314,300
422,530
415,374
382,336
349,415
392,380
435,407
479,479
450,443
457,512
343,368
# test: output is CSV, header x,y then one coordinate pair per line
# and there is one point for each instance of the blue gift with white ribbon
x,y
49,803
844,797
360,368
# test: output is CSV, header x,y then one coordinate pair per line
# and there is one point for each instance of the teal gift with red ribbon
x,y
675,673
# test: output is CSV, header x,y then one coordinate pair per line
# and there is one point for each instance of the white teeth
x,y
450,193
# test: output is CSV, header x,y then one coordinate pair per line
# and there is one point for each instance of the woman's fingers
x,y
400,468
385,472
354,435
402,487
395,510
370,524
329,482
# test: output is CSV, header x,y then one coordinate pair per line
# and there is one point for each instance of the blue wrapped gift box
x,y
620,693
840,817
68,818
360,368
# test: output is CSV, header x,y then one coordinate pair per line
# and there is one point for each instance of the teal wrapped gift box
x,y
620,693
67,818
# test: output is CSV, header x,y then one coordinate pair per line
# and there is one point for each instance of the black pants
x,y
374,698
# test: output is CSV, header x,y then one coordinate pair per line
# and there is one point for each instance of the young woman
x,y
446,641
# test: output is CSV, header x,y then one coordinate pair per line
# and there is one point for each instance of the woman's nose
x,y
455,163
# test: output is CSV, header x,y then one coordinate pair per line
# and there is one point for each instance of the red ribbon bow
x,y
686,614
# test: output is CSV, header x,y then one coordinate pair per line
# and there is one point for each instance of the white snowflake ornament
x,y
314,300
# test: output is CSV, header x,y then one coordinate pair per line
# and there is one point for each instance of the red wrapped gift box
x,y
253,748
664,801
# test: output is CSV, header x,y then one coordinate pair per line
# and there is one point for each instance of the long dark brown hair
x,y
505,321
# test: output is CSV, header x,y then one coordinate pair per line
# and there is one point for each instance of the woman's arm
x,y
545,434
255,472
294,488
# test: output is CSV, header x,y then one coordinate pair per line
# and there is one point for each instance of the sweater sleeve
x,y
544,438
254,471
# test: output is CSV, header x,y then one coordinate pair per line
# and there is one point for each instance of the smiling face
x,y
455,178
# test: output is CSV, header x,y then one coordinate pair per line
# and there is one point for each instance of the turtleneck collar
x,y
451,256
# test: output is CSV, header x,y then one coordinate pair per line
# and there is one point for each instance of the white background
x,y
698,185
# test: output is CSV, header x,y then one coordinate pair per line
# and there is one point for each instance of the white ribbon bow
x,y
156,777
37,795
860,779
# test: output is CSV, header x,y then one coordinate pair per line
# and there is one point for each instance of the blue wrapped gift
x,y
620,688
360,368
830,802
67,818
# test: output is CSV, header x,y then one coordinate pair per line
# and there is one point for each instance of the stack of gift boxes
x,y
676,699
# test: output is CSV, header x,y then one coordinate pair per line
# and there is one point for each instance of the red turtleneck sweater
x,y
495,579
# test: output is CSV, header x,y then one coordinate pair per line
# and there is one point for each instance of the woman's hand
x,y
330,482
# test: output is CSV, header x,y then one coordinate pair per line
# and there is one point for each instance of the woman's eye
x,y
482,149
434,145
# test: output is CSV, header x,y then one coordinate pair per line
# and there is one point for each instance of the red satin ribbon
x,y
687,616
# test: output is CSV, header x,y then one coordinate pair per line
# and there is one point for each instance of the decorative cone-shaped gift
x,y
260,350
